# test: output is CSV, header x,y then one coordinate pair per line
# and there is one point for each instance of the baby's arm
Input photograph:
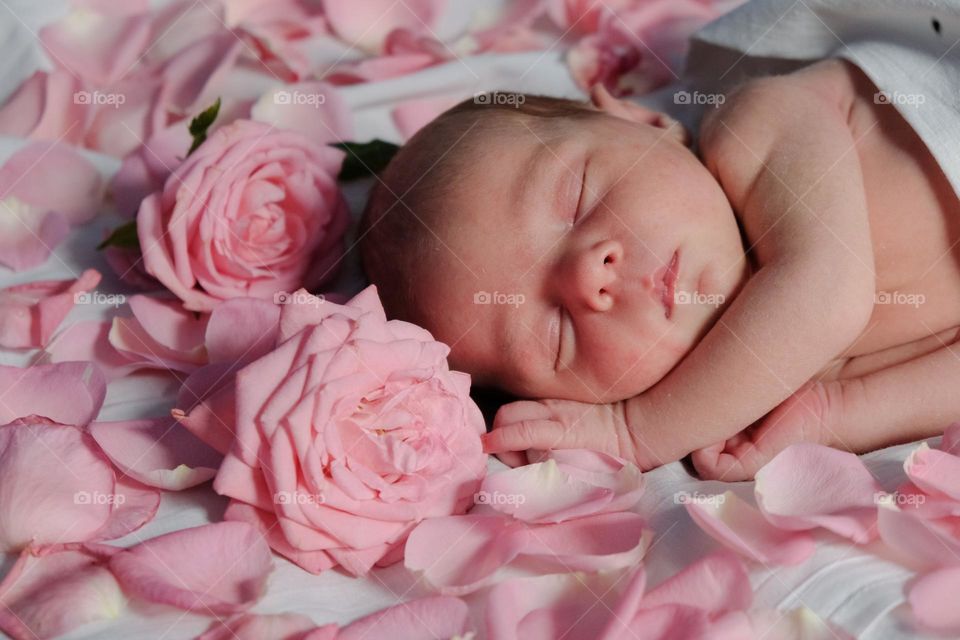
x,y
786,158
904,402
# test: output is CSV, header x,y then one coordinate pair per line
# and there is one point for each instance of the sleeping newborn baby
x,y
795,279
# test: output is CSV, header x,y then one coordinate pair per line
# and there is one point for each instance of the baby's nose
x,y
596,270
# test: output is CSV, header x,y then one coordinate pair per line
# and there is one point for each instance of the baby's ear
x,y
634,112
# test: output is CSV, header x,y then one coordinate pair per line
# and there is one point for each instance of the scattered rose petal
x,y
88,340
44,108
158,452
411,115
923,542
315,109
429,617
485,543
809,485
242,330
739,526
31,312
100,48
254,626
215,569
80,391
933,598
56,486
47,595
571,484
796,624
934,471
134,505
366,23
717,583
162,334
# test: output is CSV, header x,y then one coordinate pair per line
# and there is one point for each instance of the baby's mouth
x,y
669,280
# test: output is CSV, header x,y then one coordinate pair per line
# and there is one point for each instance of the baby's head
x,y
562,249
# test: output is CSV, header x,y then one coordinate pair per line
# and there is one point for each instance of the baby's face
x,y
584,267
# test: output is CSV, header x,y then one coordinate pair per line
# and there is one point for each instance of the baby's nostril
x,y
607,260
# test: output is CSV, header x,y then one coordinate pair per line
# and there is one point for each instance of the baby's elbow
x,y
850,309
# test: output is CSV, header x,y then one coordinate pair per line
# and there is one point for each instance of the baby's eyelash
x,y
583,189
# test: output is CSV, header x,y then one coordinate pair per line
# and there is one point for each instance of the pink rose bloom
x,y
254,211
346,435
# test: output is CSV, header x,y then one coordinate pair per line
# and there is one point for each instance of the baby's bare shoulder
x,y
764,114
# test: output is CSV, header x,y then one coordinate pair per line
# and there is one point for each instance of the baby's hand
x,y
809,415
558,424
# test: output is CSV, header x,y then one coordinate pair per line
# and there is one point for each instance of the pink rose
x,y
254,211
346,435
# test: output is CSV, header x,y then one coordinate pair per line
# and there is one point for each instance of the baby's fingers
x,y
523,435
520,411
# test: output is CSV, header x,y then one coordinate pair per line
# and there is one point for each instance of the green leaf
x,y
365,158
124,237
200,125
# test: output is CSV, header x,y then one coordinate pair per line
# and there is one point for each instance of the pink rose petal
x,y
366,23
134,505
796,624
242,330
159,452
429,617
145,169
31,312
194,76
206,406
315,109
951,439
926,543
933,598
215,569
53,177
564,605
45,107
934,471
571,484
739,526
56,486
88,340
253,626
808,485
716,583
411,115
98,48
30,233
47,595
161,334
80,388
266,524
483,545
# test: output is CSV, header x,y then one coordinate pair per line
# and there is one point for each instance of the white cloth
x,y
910,49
